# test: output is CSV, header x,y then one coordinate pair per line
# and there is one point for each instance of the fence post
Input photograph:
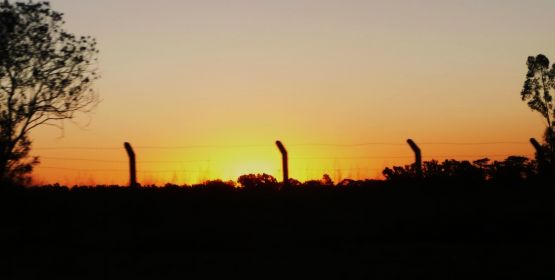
x,y
284,162
132,165
417,158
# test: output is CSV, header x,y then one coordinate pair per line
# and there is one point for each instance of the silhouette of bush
x,y
258,181
453,170
327,181
312,184
294,182
171,186
511,170
400,173
216,185
346,182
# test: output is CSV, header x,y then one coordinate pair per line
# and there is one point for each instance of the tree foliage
x,y
258,181
513,169
540,80
46,76
537,92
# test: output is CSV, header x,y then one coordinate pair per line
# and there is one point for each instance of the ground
x,y
368,232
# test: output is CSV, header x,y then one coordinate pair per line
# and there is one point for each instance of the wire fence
x,y
307,158
184,147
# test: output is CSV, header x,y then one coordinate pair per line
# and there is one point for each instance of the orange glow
x,y
194,164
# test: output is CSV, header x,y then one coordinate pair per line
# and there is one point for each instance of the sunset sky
x,y
203,89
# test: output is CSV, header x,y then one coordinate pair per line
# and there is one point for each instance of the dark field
x,y
373,231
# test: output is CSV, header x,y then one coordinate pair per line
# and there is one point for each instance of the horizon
x,y
202,90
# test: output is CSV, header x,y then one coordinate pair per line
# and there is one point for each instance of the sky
x,y
203,89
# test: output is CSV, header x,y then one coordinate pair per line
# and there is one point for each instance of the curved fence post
x,y
132,165
285,163
417,157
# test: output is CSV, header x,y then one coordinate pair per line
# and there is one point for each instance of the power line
x,y
420,143
121,161
341,169
81,170
189,171
83,159
412,156
76,148
151,147
300,158
289,145
116,170
475,143
348,145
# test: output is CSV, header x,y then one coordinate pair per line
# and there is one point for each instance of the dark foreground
x,y
372,232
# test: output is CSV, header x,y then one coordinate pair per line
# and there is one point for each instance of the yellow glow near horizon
x,y
189,165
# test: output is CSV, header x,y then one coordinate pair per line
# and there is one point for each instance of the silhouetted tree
x,y
346,182
400,173
540,81
294,182
46,75
453,170
512,170
217,185
312,184
327,181
258,181
483,165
